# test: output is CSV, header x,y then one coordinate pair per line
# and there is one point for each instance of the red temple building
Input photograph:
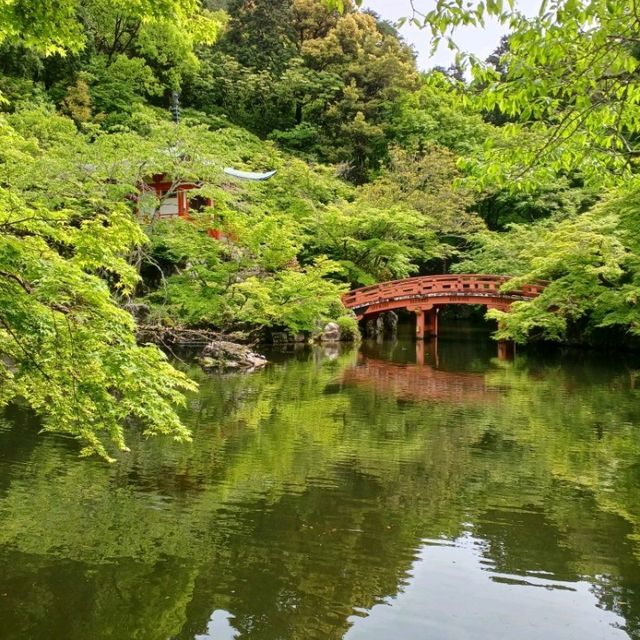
x,y
174,198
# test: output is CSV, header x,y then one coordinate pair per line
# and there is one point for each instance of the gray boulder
x,y
284,337
222,355
390,322
330,333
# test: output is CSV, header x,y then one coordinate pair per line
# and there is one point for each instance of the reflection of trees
x,y
307,491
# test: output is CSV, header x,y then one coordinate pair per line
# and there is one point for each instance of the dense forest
x,y
522,164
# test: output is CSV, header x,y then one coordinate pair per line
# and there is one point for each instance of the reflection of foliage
x,y
294,473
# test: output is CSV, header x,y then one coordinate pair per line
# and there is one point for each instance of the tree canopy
x,y
522,164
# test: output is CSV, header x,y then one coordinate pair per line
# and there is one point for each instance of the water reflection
x,y
219,627
340,494
419,382
456,598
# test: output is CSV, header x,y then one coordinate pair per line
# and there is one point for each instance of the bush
x,y
349,329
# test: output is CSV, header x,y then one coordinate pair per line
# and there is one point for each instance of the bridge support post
x,y
426,323
420,324
432,323
506,348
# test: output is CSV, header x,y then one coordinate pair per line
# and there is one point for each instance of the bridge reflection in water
x,y
422,381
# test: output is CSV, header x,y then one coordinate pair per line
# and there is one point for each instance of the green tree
x,y
373,68
120,87
568,79
67,349
427,182
436,113
47,27
260,34
590,262
324,87
373,244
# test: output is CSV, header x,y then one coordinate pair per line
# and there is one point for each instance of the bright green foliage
x,y
373,244
67,349
278,230
500,253
196,293
435,113
567,81
583,259
349,328
48,27
119,87
112,25
254,277
427,182
142,48
590,262
297,299
254,281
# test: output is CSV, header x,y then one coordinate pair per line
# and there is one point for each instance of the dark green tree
x,y
261,34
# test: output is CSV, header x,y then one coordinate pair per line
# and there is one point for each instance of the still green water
x,y
386,493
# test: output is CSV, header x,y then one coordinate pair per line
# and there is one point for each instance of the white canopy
x,y
249,175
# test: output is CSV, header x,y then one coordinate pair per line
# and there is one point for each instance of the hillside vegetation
x,y
525,165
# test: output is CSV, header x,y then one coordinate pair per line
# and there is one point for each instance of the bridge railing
x,y
475,285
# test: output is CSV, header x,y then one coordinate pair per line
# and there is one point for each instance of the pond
x,y
396,491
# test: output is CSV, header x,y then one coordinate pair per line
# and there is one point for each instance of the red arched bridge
x,y
425,294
